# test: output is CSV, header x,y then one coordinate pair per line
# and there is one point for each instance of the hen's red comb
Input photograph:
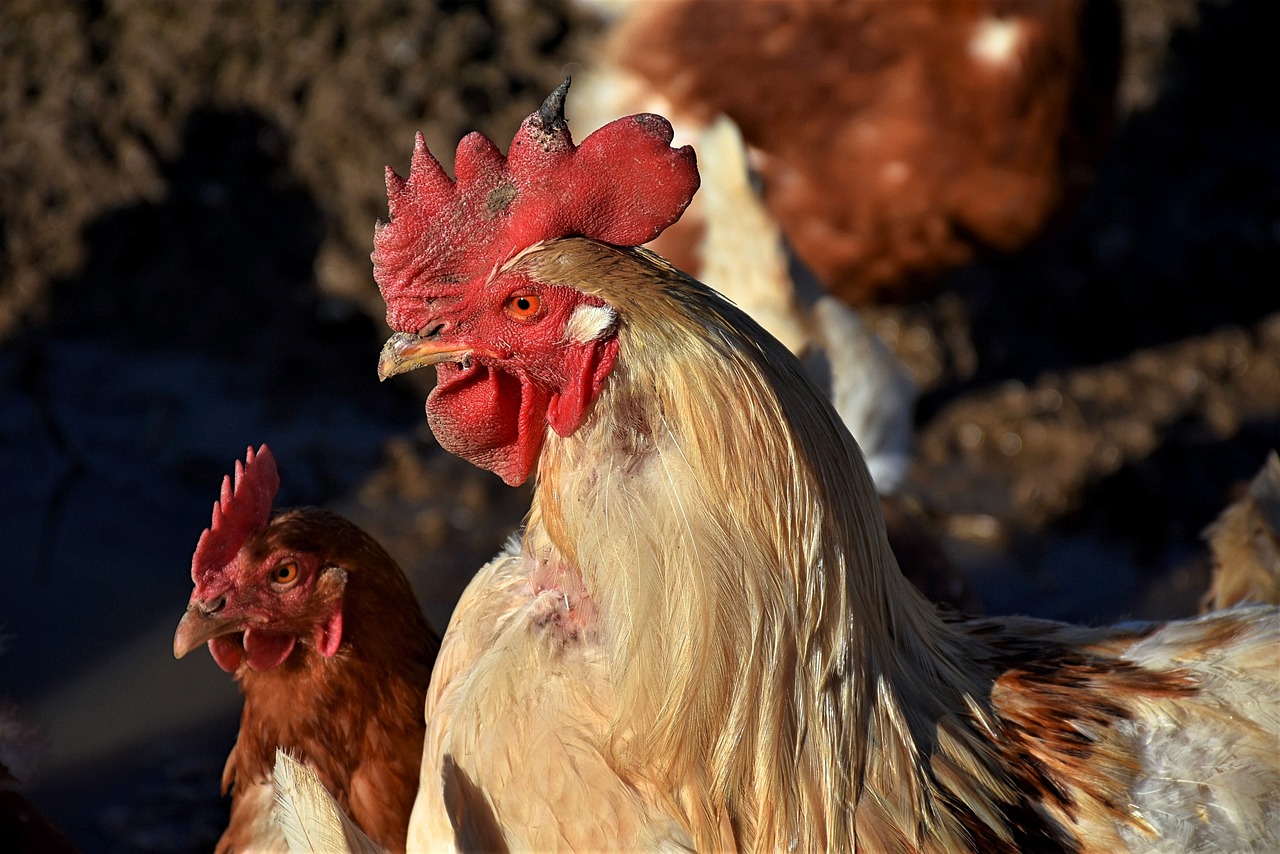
x,y
623,185
243,508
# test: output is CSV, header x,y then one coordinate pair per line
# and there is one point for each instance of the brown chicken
x,y
702,640
895,140
333,655
1245,541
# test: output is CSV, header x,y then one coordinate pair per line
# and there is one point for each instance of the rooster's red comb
x,y
244,506
623,185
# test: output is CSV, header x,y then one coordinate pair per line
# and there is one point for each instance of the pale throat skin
x,y
706,638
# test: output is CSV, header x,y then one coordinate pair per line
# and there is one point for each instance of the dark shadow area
x,y
1165,501
1133,547
223,268
1179,233
193,330
159,797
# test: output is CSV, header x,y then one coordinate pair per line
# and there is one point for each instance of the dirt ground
x,y
187,193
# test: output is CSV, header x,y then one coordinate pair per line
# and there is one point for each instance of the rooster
x,y
702,640
332,653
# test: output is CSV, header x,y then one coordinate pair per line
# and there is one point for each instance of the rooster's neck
x,y
725,527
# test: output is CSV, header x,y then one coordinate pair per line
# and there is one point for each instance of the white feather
x,y
746,258
1211,764
309,817
589,322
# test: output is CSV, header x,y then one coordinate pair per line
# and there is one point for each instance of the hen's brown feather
x,y
355,718
896,140
23,828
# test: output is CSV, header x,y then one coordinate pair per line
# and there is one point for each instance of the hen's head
x,y
515,356
265,586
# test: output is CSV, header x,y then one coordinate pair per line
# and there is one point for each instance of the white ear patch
x,y
589,322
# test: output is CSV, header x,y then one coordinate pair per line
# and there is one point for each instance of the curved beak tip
x,y
392,360
184,635
195,628
386,369
405,351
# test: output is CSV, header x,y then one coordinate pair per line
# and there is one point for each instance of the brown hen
x,y
895,140
321,629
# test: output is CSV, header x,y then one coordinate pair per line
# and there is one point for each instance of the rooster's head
x,y
514,355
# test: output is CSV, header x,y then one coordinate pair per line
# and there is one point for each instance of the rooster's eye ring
x,y
524,307
285,574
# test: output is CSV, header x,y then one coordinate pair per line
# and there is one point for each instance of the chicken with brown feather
x,y
896,141
322,631
24,829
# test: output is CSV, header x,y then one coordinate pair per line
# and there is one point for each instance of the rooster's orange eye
x,y
285,573
524,306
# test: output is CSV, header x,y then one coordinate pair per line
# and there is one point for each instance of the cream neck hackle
x,y
702,502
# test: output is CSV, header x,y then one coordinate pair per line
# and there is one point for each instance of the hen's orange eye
x,y
524,306
285,573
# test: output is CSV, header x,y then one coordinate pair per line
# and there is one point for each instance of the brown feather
x,y
1245,542
23,828
356,719
893,145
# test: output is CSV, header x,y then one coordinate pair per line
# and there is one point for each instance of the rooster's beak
x,y
405,351
200,624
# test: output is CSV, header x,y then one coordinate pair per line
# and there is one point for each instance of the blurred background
x,y
187,197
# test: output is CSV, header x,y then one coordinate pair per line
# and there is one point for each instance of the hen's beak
x,y
405,351
203,623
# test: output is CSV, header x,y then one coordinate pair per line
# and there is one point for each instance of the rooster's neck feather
x,y
769,676
704,430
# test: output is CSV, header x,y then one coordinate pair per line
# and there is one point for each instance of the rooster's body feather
x,y
703,641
